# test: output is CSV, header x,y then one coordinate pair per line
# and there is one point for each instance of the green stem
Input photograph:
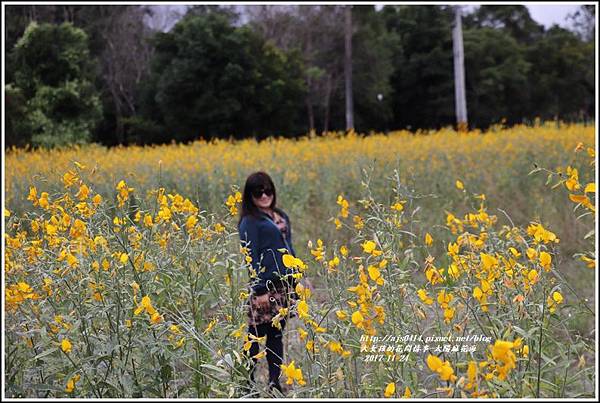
x,y
540,343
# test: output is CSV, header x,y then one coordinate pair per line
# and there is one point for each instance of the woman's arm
x,y
249,239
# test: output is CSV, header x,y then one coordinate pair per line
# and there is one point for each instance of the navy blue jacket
x,y
263,239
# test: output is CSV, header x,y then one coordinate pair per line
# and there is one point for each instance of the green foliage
x,y
375,47
497,76
17,130
212,76
562,76
54,75
142,131
212,79
423,80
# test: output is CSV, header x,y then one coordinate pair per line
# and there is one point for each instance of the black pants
x,y
274,345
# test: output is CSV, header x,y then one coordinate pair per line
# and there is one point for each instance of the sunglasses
x,y
257,193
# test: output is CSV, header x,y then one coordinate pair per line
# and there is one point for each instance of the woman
x,y
266,234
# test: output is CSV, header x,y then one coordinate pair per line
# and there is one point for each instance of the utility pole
x,y
348,68
459,72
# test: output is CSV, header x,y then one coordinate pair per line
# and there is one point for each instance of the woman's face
x,y
262,197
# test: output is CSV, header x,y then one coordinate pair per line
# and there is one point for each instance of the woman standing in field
x,y
266,234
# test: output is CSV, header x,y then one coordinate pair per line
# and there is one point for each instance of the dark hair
x,y
257,180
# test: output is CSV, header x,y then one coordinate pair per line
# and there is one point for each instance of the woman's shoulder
x,y
249,219
281,213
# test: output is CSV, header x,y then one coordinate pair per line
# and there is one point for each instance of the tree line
x,y
82,73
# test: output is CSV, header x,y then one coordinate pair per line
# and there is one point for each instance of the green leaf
x,y
216,369
228,360
45,353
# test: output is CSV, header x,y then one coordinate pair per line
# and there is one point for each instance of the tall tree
x,y
54,76
511,18
584,22
561,79
497,77
212,79
348,67
423,90
124,59
372,67
313,30
117,38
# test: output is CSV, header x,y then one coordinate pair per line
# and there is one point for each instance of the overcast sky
x,y
545,14
549,14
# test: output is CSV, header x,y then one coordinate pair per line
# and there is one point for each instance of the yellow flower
x,y
545,260
302,291
428,239
471,374
398,206
302,309
83,192
357,318
590,188
443,369
572,183
407,394
333,263
97,200
368,246
449,314
210,326
358,222
502,353
390,389
553,301
375,275
293,262
33,195
344,250
453,249
459,185
156,318
488,261
71,383
260,355
310,346
533,276
444,299
69,179
342,315
66,346
424,297
44,202
293,374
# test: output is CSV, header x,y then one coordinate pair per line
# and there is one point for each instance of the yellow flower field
x,y
443,263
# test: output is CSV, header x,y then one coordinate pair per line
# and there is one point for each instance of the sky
x,y
545,14
549,14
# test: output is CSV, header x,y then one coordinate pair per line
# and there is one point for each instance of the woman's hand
x,y
262,301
